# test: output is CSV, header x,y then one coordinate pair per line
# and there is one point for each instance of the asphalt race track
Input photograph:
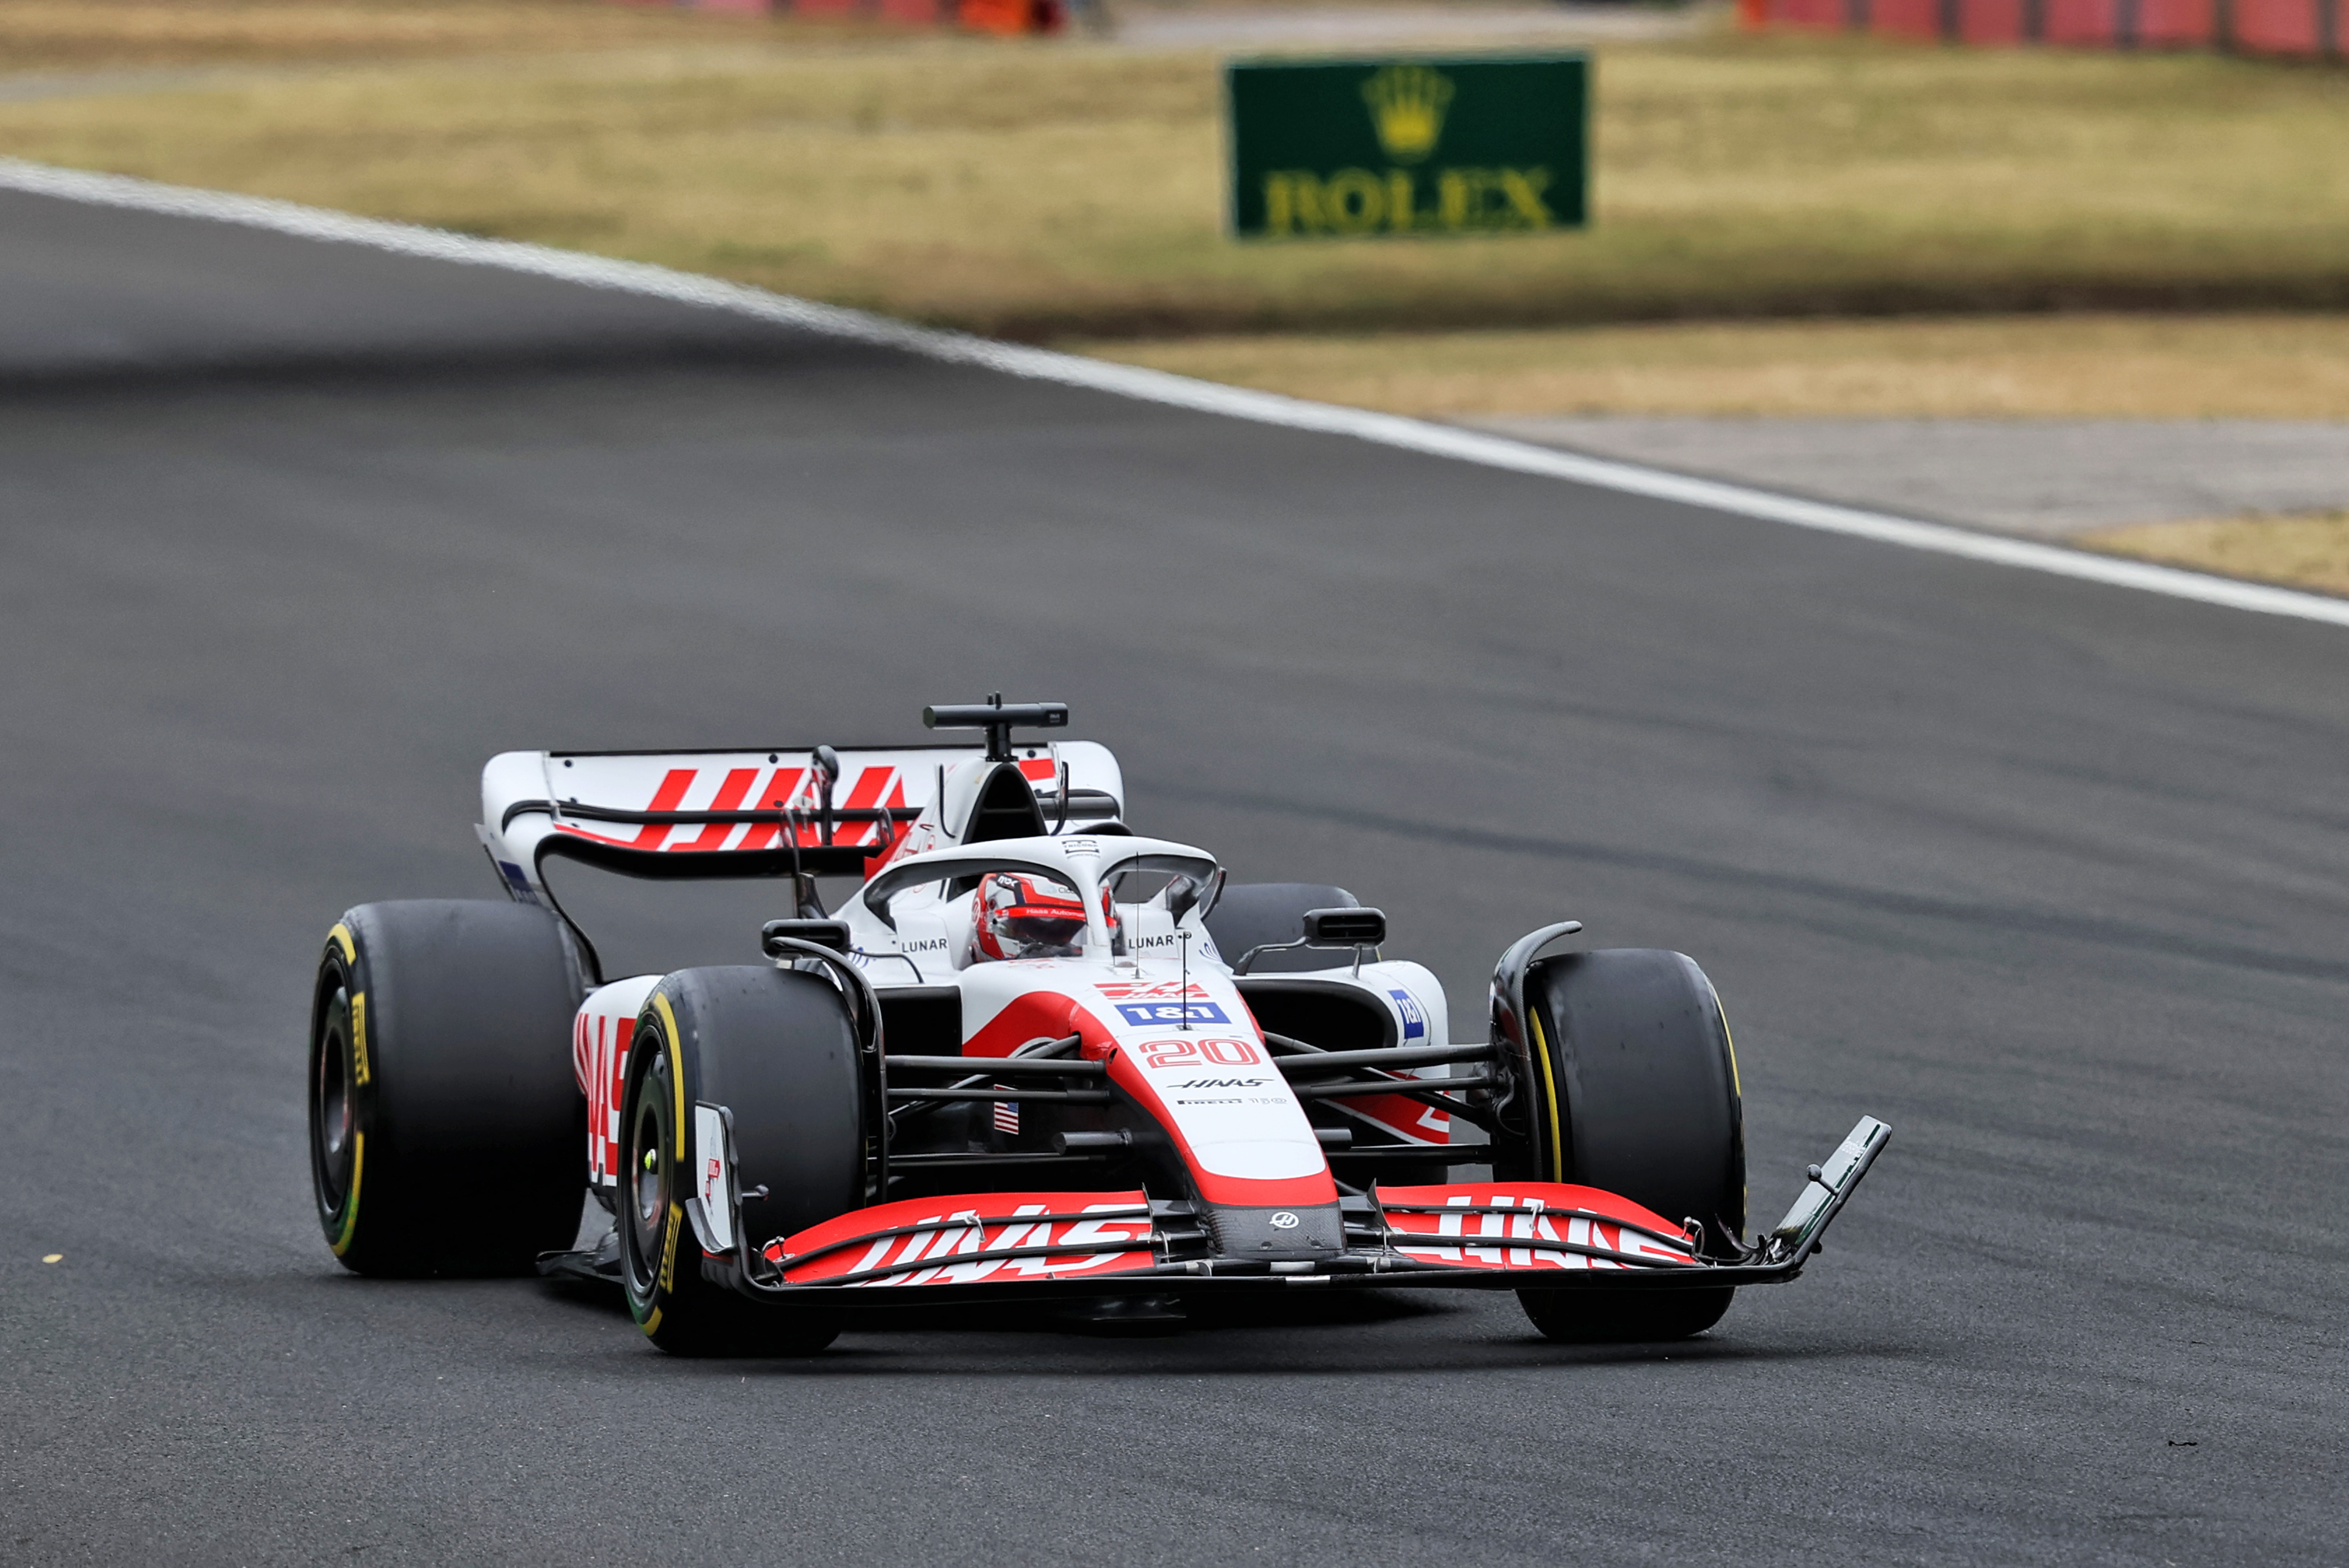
x,y
2053,875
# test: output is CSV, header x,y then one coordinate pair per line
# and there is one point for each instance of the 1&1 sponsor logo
x,y
1415,1017
1143,1014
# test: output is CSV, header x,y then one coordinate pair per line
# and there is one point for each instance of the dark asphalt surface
x,y
2054,877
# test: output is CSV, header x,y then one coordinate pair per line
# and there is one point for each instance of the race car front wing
x,y
1479,1235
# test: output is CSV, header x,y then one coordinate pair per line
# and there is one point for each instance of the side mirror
x,y
1345,927
1183,895
1356,928
776,938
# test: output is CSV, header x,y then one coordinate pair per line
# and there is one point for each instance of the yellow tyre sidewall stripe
x,y
1549,1084
665,1281
676,1072
1729,1041
1736,1088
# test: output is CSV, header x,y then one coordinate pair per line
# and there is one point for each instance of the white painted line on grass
x,y
1159,386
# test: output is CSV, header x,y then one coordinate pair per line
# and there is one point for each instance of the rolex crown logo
x,y
1407,104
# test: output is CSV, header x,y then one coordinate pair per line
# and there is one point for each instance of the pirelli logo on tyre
x,y
1399,147
359,1073
668,1250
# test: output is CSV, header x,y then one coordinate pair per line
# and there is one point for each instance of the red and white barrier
x,y
2312,27
1006,16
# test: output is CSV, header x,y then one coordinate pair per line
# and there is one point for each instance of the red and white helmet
x,y
1017,916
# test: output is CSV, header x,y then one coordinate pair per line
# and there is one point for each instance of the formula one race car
x,y
1033,1055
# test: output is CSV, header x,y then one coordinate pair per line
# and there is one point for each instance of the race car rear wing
x,y
817,811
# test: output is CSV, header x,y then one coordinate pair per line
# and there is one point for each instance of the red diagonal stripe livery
x,y
781,794
729,797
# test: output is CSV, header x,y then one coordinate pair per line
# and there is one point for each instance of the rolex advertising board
x,y
1434,145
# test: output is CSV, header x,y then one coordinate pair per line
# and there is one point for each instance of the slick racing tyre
x,y
447,1131
778,1050
1635,1071
1250,915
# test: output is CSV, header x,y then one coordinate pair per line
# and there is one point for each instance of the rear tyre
x,y
447,1130
1633,1056
778,1050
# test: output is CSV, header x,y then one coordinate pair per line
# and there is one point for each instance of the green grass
x,y
1053,190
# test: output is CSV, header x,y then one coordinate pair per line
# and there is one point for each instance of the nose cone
x,y
1304,1233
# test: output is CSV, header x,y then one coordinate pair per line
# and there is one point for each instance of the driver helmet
x,y
1015,916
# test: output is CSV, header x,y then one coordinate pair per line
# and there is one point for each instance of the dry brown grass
x,y
2308,550
110,34
1047,189
2142,367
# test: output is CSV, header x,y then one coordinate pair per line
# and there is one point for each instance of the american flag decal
x,y
1006,1117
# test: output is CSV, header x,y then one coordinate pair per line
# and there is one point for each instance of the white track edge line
x,y
1159,386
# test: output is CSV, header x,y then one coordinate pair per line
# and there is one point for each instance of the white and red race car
x,y
1033,1055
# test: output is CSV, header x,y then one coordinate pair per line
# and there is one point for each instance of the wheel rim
x,y
332,1114
648,1178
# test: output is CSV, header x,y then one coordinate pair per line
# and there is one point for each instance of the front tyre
x,y
1637,1082
446,1126
776,1049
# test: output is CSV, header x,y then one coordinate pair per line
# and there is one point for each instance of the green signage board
x,y
1431,146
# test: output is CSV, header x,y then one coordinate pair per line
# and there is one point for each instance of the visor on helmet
x,y
1015,916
